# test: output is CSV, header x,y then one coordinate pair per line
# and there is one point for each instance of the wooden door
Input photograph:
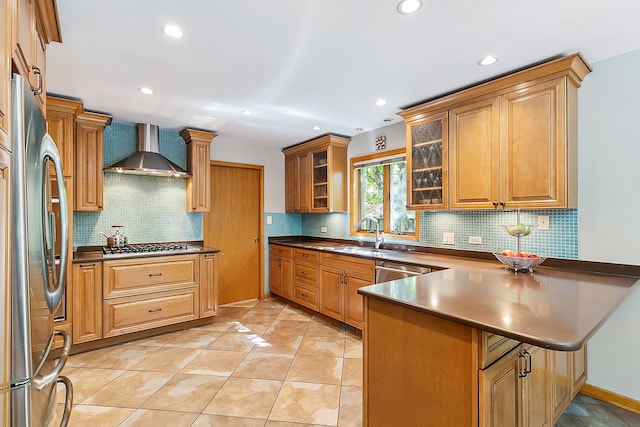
x,y
562,381
234,225
536,401
354,302
474,161
332,292
291,184
533,151
501,393
87,302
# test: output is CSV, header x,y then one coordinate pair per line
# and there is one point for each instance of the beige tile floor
x,y
260,363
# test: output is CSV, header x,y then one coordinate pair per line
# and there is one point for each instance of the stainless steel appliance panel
x,y
37,283
387,271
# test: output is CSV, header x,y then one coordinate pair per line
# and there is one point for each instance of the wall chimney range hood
x,y
147,160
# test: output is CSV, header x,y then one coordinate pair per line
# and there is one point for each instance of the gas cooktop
x,y
149,249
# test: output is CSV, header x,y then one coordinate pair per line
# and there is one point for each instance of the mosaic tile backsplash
x,y
152,209
560,241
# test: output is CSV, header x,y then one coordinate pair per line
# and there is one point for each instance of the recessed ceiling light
x,y
146,90
316,128
407,7
380,102
246,112
487,60
173,31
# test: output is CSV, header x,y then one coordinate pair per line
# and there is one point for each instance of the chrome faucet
x,y
379,234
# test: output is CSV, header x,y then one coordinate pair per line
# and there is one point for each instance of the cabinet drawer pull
x,y
38,73
304,272
305,255
155,310
87,265
303,295
155,274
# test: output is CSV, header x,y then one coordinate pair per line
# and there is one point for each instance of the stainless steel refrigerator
x,y
38,274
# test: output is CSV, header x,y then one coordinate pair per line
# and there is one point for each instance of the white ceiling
x,y
302,63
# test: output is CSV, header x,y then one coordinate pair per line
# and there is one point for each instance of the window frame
x,y
354,216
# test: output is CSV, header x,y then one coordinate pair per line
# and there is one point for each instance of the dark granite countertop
x,y
559,306
88,254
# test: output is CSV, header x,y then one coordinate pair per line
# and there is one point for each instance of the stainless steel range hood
x,y
147,160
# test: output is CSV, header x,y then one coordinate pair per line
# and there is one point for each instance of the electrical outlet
x,y
269,220
448,239
543,222
475,240
323,229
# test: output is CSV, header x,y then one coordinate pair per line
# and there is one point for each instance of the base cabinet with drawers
x,y
324,282
142,294
471,377
117,297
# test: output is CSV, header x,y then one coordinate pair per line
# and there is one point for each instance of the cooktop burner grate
x,y
148,249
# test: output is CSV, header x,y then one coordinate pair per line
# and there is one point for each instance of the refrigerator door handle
x,y
48,151
40,381
68,400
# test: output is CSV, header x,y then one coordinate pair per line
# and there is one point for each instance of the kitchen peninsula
x,y
477,345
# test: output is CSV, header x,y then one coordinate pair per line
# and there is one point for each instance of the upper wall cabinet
x,y
512,141
61,120
89,153
427,154
316,175
35,24
198,164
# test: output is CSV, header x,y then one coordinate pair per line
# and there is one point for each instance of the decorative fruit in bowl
x,y
518,261
519,230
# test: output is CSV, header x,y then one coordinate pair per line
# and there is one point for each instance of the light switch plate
x,y
269,220
448,238
543,222
323,229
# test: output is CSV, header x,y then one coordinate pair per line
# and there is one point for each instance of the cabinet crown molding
x,y
320,142
574,67
190,135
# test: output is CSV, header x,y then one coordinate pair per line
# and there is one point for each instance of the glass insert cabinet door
x,y
320,180
427,159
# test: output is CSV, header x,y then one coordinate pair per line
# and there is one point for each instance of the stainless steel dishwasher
x,y
389,270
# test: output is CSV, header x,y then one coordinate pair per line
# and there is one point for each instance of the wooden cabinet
x,y
427,148
208,285
198,164
512,141
297,191
281,271
89,161
511,389
340,278
87,302
316,175
61,119
140,294
475,154
562,383
305,278
5,280
494,383
321,281
35,24
5,63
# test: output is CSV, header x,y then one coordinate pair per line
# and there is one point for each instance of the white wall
x,y
271,158
609,206
365,143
